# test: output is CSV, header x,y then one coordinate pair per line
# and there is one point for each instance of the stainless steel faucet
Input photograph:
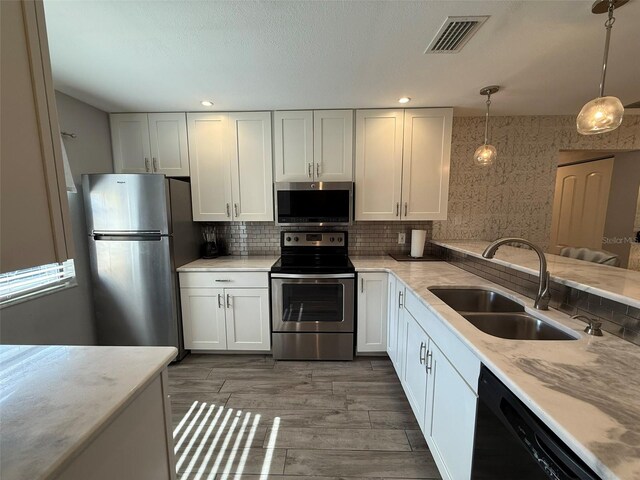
x,y
543,297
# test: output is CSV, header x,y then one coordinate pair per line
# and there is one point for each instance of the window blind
x,y
32,281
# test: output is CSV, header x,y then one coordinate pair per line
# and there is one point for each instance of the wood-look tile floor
x,y
251,417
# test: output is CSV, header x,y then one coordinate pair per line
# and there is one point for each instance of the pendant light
x,y
602,114
486,154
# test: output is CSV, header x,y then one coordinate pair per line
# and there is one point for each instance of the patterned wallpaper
x,y
515,195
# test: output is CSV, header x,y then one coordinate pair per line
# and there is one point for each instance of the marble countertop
x,y
618,284
236,263
55,399
587,391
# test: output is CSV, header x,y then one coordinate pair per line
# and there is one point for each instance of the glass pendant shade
x,y
600,115
485,155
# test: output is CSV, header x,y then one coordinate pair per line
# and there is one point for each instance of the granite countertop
x,y
587,390
618,284
55,399
237,263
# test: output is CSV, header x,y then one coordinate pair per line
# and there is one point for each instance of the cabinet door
x,y
415,372
450,416
293,146
333,145
251,166
392,320
203,318
168,141
248,319
372,312
425,163
130,143
378,164
209,164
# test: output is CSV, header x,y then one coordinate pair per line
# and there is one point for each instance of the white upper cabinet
x,y
130,143
150,143
333,145
378,164
168,141
251,166
293,146
313,146
231,167
402,164
425,163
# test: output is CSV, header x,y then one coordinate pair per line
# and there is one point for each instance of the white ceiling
x,y
267,55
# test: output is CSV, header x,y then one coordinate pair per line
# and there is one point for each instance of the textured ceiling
x,y
245,55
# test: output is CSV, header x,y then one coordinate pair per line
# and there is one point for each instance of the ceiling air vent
x,y
454,34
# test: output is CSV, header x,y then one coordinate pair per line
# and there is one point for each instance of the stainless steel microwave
x,y
314,203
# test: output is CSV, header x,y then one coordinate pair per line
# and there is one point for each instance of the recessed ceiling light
x,y
206,103
404,100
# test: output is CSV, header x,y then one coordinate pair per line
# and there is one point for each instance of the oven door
x,y
313,303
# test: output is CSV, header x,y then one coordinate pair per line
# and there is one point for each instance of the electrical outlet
x,y
402,238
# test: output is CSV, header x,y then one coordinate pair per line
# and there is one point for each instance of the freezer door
x,y
126,203
135,292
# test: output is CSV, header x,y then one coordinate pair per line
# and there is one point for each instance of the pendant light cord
x,y
486,122
608,24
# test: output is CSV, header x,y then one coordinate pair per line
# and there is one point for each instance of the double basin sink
x,y
498,315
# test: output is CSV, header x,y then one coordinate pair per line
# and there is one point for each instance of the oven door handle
x,y
312,276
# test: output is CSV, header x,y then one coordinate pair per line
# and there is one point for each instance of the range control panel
x,y
313,239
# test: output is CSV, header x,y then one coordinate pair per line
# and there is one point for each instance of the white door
x,y
203,318
168,140
378,164
248,319
210,171
293,146
580,205
415,372
372,313
450,416
333,145
251,166
392,319
425,163
130,143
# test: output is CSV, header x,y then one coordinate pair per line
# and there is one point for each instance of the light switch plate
x,y
402,238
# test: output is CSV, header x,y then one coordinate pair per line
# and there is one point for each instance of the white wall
x,y
66,317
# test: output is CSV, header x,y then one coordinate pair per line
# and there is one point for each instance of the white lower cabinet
x,y
415,373
372,313
392,319
233,319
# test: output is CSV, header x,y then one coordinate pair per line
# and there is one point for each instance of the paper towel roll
x,y
418,238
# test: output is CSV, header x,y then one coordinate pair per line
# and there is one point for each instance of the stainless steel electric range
x,y
313,297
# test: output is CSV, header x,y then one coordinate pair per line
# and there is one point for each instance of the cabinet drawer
x,y
228,279
463,360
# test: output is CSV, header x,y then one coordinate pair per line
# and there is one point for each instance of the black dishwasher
x,y
511,443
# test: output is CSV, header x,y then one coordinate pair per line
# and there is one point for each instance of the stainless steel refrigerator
x,y
140,230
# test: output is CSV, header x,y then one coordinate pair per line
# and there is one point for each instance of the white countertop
x,y
587,390
236,263
618,284
55,399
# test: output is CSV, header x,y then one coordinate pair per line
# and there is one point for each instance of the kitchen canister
x,y
418,238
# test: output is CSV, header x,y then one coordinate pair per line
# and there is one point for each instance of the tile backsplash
x,y
365,238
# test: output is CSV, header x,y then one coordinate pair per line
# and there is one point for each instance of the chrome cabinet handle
x,y
228,301
406,204
400,300
155,164
235,208
317,169
423,346
220,301
228,210
310,170
146,164
362,285
397,209
222,280
429,361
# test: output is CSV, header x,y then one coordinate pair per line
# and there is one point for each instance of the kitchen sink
x,y
497,315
